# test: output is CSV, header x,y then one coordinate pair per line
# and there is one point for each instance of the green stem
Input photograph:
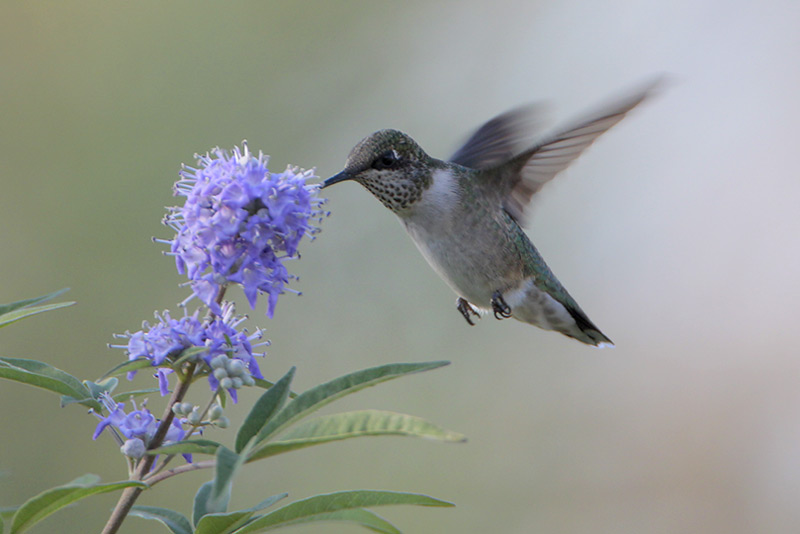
x,y
160,467
185,468
129,495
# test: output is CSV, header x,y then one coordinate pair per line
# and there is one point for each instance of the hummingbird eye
x,y
387,160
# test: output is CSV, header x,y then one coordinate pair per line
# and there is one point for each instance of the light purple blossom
x,y
218,336
240,223
139,424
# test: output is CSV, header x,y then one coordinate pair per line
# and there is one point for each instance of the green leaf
x,y
228,463
363,517
319,507
126,367
7,308
353,425
7,512
266,384
125,395
45,376
95,389
14,316
223,523
200,507
189,446
54,499
317,397
174,521
119,397
104,385
189,353
269,501
264,410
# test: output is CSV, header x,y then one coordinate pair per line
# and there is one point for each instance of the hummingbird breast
x,y
467,237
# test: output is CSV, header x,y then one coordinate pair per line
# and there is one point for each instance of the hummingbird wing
x,y
536,166
499,139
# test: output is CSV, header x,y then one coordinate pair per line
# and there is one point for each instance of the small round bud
x,y
220,373
237,382
215,412
194,417
187,407
222,422
226,383
133,448
248,380
236,367
218,361
176,409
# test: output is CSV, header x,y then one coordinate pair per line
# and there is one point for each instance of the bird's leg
x,y
499,306
464,307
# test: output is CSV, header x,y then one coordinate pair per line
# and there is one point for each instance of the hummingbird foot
x,y
499,306
466,309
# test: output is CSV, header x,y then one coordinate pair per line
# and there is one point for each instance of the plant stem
x,y
160,467
185,468
129,495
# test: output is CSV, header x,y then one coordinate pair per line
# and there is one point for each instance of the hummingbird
x,y
466,214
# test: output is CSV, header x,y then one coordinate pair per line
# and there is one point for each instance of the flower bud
x,y
220,373
133,448
226,383
237,382
194,417
215,412
218,361
236,367
222,422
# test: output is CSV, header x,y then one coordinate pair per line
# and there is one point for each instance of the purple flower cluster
x,y
240,223
218,336
138,427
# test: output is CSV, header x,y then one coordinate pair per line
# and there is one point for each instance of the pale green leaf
x,y
228,463
126,367
200,507
16,315
320,506
264,410
50,501
6,308
42,375
189,446
352,425
361,516
174,521
321,395
7,512
15,311
223,523
189,353
266,384
123,396
269,501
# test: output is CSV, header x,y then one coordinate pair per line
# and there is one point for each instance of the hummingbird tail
x,y
586,331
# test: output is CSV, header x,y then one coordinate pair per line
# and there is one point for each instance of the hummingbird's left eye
x,y
387,160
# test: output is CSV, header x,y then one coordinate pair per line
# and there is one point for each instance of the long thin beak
x,y
341,177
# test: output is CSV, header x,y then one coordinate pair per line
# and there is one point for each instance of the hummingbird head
x,y
392,166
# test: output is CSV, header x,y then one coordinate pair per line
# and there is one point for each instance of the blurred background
x,y
677,232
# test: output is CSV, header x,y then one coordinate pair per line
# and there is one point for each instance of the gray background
x,y
677,233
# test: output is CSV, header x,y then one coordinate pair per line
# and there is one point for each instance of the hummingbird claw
x,y
499,306
465,308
